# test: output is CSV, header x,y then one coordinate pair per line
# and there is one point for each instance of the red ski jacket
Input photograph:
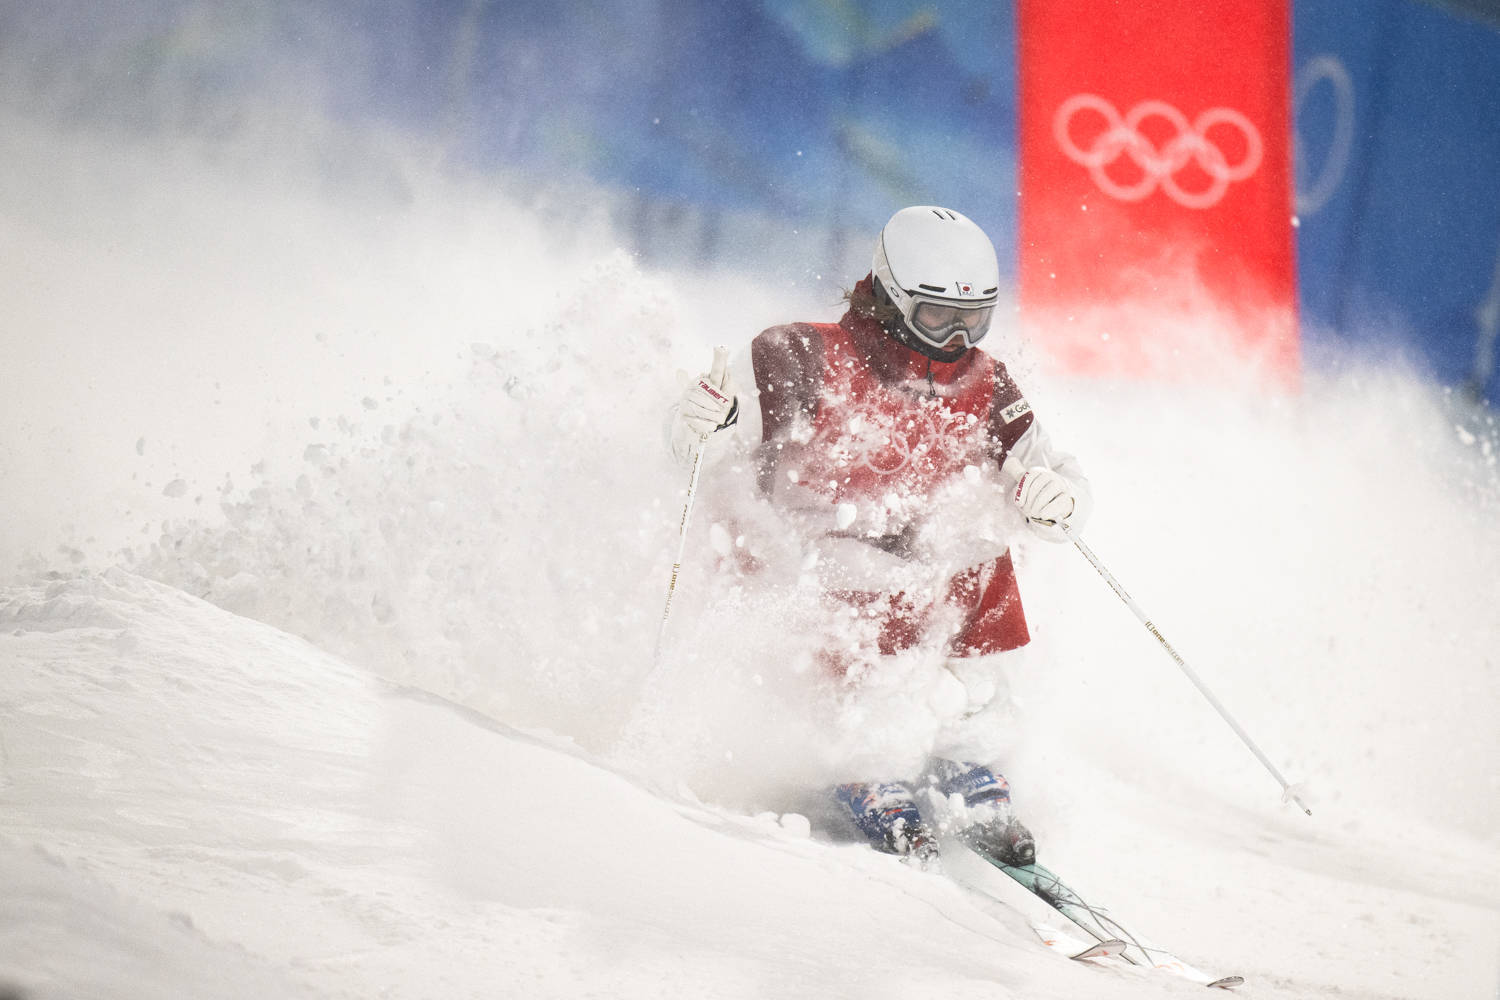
x,y
869,431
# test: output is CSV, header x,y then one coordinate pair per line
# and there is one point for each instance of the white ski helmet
x,y
938,269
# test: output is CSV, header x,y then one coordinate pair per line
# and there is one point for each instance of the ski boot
x,y
886,812
994,830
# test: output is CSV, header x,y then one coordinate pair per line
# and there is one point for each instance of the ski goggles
x,y
937,322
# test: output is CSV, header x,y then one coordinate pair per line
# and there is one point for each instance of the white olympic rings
x,y
1318,191
1158,167
877,443
887,443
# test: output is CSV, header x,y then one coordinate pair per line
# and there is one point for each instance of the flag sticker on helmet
x,y
1015,410
965,289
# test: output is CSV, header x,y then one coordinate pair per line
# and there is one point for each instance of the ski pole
x,y
715,376
687,510
1289,792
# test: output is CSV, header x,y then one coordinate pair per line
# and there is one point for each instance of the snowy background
x,y
336,526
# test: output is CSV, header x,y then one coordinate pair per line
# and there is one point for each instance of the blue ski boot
x,y
886,812
995,831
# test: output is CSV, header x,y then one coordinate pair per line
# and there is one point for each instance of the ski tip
x,y
1227,983
1104,949
1076,948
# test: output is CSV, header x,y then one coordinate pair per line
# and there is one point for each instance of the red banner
x,y
1156,229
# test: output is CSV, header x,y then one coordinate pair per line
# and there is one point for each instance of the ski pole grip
x,y
720,366
1013,468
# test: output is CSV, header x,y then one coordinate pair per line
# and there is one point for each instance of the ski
x,y
1100,926
1075,947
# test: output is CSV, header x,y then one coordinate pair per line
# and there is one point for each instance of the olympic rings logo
x,y
1158,167
877,443
1330,173
888,443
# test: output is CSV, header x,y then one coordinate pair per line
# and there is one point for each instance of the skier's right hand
x,y
708,405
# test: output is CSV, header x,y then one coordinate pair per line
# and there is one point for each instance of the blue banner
x,y
1398,122
784,132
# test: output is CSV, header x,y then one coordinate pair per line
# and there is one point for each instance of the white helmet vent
x,y
927,250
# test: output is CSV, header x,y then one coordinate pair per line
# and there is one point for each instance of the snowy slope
x,y
319,499
197,804
200,805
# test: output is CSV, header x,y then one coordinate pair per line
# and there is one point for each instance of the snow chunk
x,y
797,825
719,540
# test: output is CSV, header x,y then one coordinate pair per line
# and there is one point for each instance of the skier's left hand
x,y
1046,500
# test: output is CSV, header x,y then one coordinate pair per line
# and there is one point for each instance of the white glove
x,y
1046,500
709,404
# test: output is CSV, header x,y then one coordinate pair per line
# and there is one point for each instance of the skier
x,y
871,429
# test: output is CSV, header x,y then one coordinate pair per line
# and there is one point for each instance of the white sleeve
x,y
747,430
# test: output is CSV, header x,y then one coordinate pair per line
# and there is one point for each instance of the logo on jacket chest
x,y
914,439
